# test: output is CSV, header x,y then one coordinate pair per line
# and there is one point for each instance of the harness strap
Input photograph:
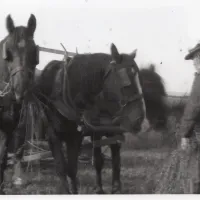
x,y
125,100
16,70
66,106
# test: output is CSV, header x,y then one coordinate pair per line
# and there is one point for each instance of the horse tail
x,y
155,97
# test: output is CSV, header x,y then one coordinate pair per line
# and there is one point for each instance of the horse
x,y
90,87
18,59
104,91
152,86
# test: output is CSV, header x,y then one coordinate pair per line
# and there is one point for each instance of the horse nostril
x,y
123,103
25,93
18,98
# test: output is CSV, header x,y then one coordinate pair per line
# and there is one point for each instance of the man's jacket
x,y
192,110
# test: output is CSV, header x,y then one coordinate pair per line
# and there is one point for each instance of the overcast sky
x,y
161,30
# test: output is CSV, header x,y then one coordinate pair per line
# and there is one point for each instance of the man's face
x,y
196,61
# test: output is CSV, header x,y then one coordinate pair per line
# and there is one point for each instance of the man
x,y
192,110
190,123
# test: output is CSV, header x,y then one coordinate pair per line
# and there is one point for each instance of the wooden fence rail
x,y
55,51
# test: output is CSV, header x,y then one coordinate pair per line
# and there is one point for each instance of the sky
x,y
162,31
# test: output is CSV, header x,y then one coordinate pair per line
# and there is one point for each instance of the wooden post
x,y
55,51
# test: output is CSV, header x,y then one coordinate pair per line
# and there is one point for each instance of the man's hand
x,y
185,144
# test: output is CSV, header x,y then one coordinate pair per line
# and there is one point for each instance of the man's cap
x,y
192,52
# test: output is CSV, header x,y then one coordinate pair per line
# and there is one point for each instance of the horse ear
x,y
133,54
31,25
115,54
10,24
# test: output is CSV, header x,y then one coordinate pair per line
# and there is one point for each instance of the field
x,y
141,159
137,167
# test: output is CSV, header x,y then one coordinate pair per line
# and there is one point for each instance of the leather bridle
x,y
13,72
122,103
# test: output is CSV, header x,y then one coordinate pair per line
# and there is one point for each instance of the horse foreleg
x,y
19,138
3,158
55,145
73,148
116,166
98,163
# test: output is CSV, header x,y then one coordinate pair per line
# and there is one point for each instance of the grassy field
x,y
137,167
141,159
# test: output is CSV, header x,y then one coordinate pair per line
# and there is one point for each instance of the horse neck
x,y
83,86
66,92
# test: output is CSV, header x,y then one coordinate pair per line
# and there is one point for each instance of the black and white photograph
x,y
99,97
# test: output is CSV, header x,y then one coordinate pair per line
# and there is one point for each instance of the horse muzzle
x,y
19,98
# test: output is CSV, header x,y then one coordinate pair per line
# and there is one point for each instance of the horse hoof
x,y
18,181
116,192
116,189
2,192
99,190
62,190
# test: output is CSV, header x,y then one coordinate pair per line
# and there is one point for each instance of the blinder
x,y
125,80
37,55
4,52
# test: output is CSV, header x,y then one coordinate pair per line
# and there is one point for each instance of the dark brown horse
x,y
153,90
18,59
103,90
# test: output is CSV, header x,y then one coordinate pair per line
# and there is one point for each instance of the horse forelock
x,y
19,33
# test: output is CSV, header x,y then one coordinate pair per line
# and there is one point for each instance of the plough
x,y
45,153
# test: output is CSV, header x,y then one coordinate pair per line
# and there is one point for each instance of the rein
x,y
7,88
73,113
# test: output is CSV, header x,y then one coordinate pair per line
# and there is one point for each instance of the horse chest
x,y
8,115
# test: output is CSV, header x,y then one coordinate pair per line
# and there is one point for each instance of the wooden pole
x,y
55,51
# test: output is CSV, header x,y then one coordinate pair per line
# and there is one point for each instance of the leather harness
x,y
66,106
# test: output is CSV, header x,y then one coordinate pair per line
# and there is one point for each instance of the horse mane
x,y
45,80
19,33
87,72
